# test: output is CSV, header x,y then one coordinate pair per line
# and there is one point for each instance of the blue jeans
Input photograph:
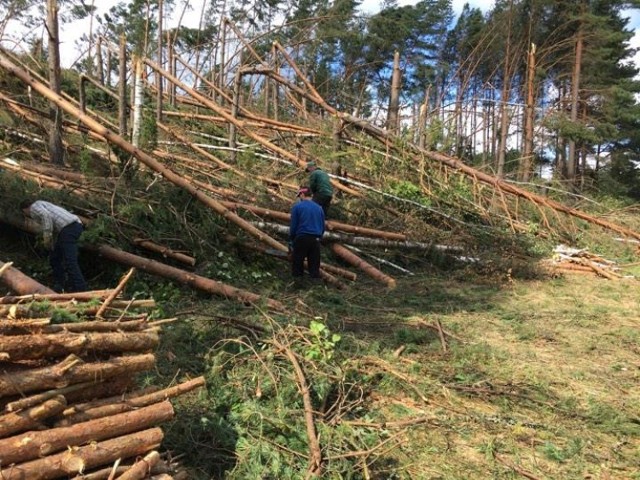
x,y
64,259
306,246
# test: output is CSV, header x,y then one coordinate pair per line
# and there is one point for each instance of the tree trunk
x,y
72,370
159,58
56,149
31,347
16,422
165,251
138,100
99,64
504,104
195,281
122,89
575,97
367,268
107,407
21,284
141,468
393,116
31,445
529,117
90,456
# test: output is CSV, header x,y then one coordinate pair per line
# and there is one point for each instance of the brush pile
x,y
582,261
69,402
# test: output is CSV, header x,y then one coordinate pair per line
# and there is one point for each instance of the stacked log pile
x,y
69,406
582,261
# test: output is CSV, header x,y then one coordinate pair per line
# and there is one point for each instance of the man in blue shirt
x,y
305,231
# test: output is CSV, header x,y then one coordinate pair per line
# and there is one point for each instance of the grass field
x,y
539,380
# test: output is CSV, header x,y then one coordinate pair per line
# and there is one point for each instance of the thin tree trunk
x,y
504,104
122,89
575,97
138,100
56,149
99,65
393,116
17,422
529,117
159,58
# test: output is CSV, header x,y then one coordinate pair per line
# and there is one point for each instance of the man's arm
x,y
293,225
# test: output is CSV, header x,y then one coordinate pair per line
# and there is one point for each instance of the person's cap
x,y
306,191
310,165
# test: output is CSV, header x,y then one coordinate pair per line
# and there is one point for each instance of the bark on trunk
x,y
142,468
31,347
393,117
21,283
84,458
56,149
70,371
123,111
94,410
367,268
195,281
31,445
17,422
165,251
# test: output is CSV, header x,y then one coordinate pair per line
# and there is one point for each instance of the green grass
x,y
541,377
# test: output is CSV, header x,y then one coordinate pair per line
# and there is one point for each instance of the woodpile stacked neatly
x,y
582,261
69,406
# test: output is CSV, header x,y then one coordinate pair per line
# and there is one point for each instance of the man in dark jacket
x,y
61,230
320,185
305,231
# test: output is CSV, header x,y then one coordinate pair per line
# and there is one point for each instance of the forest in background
x,y
526,83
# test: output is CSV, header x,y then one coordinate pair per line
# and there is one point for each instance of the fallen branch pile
x,y
69,404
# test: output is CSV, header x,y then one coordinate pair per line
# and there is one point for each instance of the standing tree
x,y
56,149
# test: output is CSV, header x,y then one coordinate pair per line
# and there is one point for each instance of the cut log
x,y
21,283
78,459
195,281
12,423
71,371
35,400
165,251
97,326
79,414
142,468
31,445
22,326
55,297
31,347
367,268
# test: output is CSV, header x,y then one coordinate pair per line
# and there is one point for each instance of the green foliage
x,y
323,343
60,315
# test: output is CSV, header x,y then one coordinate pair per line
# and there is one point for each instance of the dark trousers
x,y
324,201
64,259
306,246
